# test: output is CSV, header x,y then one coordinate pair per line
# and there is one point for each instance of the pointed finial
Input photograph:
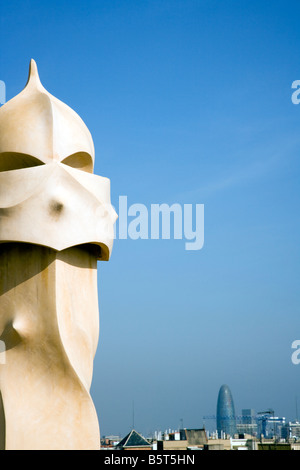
x,y
33,76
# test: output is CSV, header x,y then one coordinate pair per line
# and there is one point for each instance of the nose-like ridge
x,y
58,207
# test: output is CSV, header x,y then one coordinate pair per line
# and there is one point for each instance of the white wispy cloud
x,y
260,163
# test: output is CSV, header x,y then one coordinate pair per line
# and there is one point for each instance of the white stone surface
x,y
56,221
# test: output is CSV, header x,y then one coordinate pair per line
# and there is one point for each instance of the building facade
x,y
226,419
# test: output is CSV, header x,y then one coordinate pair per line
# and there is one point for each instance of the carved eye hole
x,y
81,161
16,161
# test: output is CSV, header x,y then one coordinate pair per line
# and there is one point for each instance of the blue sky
x,y
188,102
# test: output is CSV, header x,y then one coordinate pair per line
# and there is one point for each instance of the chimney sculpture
x,y
56,221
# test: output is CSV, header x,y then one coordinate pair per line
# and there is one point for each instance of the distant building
x,y
134,441
291,430
270,426
184,439
274,446
248,424
109,441
248,416
226,420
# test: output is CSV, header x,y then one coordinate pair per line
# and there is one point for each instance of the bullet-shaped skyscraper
x,y
226,420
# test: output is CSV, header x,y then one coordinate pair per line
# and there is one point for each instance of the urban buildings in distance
x,y
250,430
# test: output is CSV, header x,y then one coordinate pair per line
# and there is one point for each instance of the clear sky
x,y
188,102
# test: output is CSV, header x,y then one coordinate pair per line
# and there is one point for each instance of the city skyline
x,y
209,422
189,102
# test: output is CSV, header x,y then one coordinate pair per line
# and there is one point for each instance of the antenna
x,y
132,414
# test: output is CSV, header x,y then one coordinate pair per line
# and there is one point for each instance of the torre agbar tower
x,y
226,420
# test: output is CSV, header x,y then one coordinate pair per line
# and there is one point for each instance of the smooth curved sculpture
x,y
56,221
